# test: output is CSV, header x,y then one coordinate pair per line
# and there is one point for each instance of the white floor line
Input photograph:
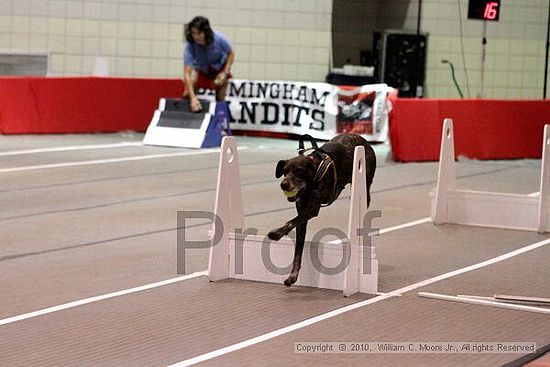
x,y
111,160
328,315
65,306
406,225
392,229
123,144
133,290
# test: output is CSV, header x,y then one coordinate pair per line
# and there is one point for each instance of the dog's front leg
x,y
277,234
298,250
304,214
306,209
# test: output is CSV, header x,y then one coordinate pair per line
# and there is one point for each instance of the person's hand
x,y
220,78
195,105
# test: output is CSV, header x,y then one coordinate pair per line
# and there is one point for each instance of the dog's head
x,y
298,173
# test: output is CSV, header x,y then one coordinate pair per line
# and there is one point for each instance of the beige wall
x,y
273,39
353,22
281,39
515,53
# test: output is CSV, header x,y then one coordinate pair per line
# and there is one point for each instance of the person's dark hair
x,y
203,25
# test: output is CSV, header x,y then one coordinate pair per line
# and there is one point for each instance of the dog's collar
x,y
324,165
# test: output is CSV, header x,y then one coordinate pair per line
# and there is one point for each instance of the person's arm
x,y
229,62
222,75
188,62
188,82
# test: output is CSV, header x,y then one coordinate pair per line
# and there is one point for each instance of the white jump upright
x,y
228,209
245,256
353,277
488,209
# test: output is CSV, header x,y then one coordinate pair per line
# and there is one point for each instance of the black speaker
x,y
400,61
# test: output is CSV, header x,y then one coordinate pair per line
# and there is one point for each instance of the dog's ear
x,y
279,170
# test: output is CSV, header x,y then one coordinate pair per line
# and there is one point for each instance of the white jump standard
x,y
252,257
488,209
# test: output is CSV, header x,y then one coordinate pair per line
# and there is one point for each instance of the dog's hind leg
x,y
368,194
370,169
298,250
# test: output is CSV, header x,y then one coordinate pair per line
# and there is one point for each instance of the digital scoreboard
x,y
484,9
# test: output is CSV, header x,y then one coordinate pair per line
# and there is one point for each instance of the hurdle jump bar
x,y
484,302
256,258
488,209
512,299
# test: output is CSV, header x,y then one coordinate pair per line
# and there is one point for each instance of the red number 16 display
x,y
484,9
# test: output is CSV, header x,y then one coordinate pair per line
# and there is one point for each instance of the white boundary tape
x,y
123,144
110,160
102,297
403,226
337,312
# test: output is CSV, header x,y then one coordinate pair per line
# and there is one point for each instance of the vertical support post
x,y
544,182
446,176
483,56
357,211
228,209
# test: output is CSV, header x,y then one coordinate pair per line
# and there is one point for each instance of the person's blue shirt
x,y
215,55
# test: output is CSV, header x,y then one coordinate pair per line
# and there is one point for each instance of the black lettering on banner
x,y
262,90
288,108
316,100
274,116
318,123
235,91
251,112
272,103
275,90
299,114
302,94
251,89
231,118
288,88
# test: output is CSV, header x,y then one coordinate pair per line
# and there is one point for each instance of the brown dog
x,y
315,180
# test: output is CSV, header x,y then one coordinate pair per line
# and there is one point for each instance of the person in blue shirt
x,y
208,55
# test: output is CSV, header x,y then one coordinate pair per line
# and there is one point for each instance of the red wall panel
x,y
80,105
484,128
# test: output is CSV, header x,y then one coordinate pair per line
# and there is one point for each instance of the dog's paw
x,y
290,280
275,235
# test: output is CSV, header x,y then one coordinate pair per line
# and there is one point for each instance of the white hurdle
x,y
488,209
242,256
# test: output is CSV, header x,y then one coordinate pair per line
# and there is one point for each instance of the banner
x,y
319,109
